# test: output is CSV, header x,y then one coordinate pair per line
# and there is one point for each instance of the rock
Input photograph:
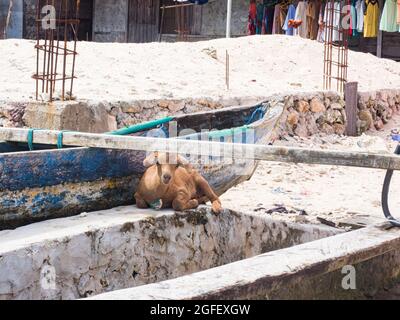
x,y
312,126
334,116
131,108
176,106
164,104
336,106
317,106
326,128
365,115
378,124
302,106
339,128
292,119
75,116
301,128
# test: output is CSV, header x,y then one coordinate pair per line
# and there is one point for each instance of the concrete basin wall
x,y
125,247
362,264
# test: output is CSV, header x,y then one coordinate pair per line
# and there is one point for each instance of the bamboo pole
x,y
8,19
209,148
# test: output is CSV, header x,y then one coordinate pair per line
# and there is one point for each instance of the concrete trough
x,y
197,253
363,264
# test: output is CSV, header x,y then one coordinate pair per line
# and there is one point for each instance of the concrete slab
x,y
314,270
124,247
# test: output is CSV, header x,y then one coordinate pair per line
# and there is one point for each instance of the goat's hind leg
x,y
183,202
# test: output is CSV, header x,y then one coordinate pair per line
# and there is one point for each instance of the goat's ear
x,y
181,161
150,160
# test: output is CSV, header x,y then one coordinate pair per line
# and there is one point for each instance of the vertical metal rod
x,y
65,49
227,70
37,47
228,18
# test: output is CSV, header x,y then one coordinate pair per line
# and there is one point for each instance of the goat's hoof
x,y
216,207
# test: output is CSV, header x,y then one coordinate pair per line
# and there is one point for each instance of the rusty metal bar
x,y
59,39
335,40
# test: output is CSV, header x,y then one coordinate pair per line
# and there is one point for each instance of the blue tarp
x,y
198,1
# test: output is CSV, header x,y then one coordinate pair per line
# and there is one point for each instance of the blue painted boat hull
x,y
51,183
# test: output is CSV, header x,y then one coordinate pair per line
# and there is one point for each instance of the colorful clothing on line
x,y
278,21
332,18
371,18
301,14
321,24
398,11
290,16
389,17
360,15
312,19
252,20
354,21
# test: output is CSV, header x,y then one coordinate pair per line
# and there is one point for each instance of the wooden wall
x,y
143,20
390,45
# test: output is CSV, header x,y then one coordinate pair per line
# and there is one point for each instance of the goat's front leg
x,y
140,203
183,202
203,185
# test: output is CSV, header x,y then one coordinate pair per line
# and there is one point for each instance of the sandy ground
x,y
260,66
302,193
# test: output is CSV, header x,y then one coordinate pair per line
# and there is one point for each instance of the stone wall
x,y
306,114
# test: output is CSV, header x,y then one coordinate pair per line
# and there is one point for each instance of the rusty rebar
x,y
339,59
59,39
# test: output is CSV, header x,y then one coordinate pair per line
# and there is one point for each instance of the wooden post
x,y
227,70
209,148
380,34
351,98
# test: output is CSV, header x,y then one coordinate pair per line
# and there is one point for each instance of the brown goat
x,y
171,179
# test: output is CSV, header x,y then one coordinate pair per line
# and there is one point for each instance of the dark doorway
x,y
86,23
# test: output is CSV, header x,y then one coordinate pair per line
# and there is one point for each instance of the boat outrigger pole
x,y
228,151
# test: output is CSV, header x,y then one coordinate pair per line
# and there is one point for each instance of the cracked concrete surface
x,y
125,247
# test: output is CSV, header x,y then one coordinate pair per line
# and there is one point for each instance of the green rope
x,y
60,139
141,126
30,139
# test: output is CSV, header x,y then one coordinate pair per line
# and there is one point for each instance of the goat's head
x,y
166,164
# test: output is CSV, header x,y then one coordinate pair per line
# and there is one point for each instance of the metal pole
x,y
228,18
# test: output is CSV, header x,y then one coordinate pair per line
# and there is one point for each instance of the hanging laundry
x,y
312,13
389,17
360,8
259,17
371,18
269,18
252,19
332,19
398,11
290,16
301,15
354,21
277,22
321,24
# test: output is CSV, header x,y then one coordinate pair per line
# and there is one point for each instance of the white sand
x,y
331,192
260,66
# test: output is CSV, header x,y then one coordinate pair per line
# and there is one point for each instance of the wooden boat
x,y
49,182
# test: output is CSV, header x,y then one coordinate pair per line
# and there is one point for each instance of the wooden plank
x,y
197,20
229,151
380,35
351,97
